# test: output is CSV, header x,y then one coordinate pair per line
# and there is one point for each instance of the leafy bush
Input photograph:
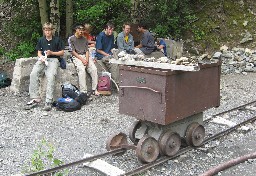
x,y
43,158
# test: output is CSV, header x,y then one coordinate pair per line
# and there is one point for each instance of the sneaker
x,y
32,104
47,106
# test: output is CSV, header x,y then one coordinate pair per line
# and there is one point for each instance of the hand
x,y
85,62
49,52
42,58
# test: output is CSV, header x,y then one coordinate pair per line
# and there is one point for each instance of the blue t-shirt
x,y
162,42
105,43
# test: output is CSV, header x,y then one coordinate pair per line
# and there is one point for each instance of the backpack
x,y
104,83
67,104
4,80
70,90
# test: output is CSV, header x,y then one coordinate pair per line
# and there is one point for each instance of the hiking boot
x,y
47,106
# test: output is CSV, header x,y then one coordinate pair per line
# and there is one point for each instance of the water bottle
x,y
93,54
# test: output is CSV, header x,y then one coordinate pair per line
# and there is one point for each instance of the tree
x,y
43,11
69,17
55,16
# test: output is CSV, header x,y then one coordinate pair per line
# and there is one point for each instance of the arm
x,y
102,52
132,42
160,47
83,60
91,43
139,46
120,43
57,53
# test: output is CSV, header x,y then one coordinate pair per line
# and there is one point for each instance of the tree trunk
x,y
43,11
55,16
69,17
134,14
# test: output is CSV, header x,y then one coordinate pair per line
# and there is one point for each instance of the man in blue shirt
x,y
104,46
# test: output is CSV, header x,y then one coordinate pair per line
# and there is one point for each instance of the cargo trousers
x,y
81,70
109,67
50,72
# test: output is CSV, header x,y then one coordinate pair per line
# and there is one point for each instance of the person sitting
x,y
104,46
160,45
49,50
78,45
147,43
125,40
88,36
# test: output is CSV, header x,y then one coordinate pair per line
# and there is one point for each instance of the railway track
x,y
161,160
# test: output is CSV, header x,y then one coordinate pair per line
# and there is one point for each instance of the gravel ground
x,y
85,131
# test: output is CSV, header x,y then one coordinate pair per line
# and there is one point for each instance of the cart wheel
x,y
116,141
169,143
135,126
195,134
147,149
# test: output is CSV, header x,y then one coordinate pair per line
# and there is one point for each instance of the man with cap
x,y
78,45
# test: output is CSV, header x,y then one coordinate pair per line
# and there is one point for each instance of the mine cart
x,y
168,105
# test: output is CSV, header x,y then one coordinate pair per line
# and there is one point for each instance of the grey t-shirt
x,y
79,45
147,42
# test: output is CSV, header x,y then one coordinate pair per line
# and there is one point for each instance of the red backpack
x,y
104,85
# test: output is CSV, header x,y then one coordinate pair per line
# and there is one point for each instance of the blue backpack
x,y
67,104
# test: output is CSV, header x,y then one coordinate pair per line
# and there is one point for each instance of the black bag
x,y
70,90
82,98
4,80
67,104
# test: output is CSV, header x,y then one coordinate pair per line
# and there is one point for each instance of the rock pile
x,y
236,60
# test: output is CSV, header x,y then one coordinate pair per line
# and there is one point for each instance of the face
x,y
47,32
86,31
80,31
109,31
127,29
139,29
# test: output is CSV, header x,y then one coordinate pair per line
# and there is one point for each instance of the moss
x,y
222,22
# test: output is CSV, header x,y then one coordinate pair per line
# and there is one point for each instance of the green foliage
x,y
23,49
23,29
43,158
198,34
1,51
99,12
168,18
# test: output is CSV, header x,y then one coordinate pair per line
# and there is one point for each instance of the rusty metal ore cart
x,y
169,107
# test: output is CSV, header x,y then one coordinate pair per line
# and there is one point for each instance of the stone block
x,y
155,54
23,68
174,48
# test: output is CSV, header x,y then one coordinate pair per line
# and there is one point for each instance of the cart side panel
x,y
192,92
142,95
165,96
